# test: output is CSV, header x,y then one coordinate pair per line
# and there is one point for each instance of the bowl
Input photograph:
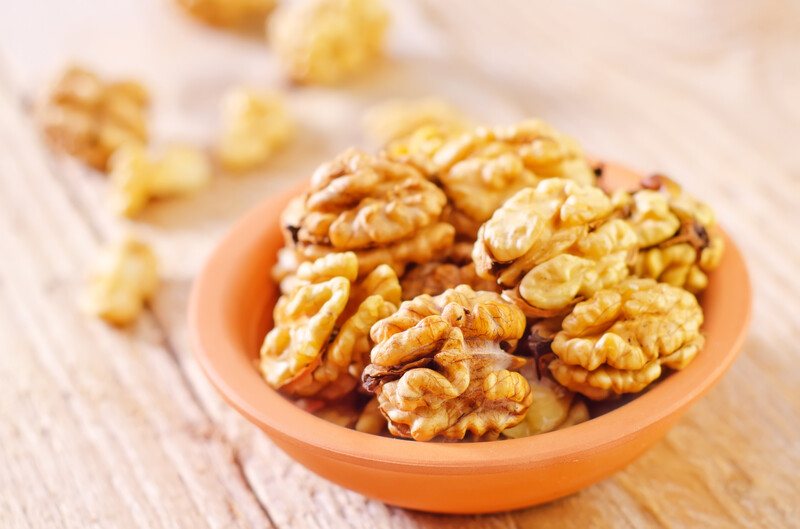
x,y
230,312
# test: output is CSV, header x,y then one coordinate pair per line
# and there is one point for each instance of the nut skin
x,y
552,245
320,342
90,119
438,369
618,340
327,41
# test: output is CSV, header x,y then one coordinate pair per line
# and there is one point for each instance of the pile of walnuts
x,y
473,284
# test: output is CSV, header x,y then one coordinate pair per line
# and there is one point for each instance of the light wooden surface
x,y
106,428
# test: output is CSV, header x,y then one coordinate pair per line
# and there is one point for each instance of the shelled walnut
x,y
479,170
439,368
552,245
326,41
320,341
137,177
618,340
89,118
237,14
396,119
124,279
385,212
678,238
255,125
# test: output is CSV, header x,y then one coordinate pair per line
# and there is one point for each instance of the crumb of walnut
x,y
395,119
237,14
255,125
439,368
137,178
326,41
320,341
384,211
480,169
89,118
678,237
123,280
618,340
551,245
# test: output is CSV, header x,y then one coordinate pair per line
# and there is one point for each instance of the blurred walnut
x,y
678,238
241,14
617,341
479,170
319,344
136,178
255,125
439,368
396,119
326,41
371,420
554,244
385,211
420,146
124,279
90,119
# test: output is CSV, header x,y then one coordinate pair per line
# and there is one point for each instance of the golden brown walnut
x,y
439,368
396,119
436,277
137,177
678,237
255,124
553,405
124,279
236,14
480,169
618,340
326,41
320,340
385,211
89,118
371,420
419,147
554,244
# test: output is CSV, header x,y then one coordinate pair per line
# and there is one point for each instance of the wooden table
x,y
107,428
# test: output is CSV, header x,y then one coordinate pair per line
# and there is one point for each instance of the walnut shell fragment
x,y
552,245
320,341
439,368
618,340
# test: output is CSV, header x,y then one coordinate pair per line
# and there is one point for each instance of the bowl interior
x,y
230,312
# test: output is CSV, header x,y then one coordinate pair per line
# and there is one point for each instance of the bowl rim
x,y
213,344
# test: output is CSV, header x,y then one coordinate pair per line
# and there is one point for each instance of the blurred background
x,y
117,428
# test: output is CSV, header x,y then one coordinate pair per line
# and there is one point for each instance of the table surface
x,y
107,428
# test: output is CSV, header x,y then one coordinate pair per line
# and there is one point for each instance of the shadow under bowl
x,y
230,312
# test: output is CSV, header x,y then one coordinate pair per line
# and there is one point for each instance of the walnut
x,y
439,368
89,118
371,420
320,340
419,147
396,119
124,279
480,169
554,244
237,14
255,125
436,277
678,238
137,178
618,340
552,405
326,41
385,211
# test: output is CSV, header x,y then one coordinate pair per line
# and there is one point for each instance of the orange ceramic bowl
x,y
230,312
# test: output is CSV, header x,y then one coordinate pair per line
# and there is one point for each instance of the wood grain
x,y
108,428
